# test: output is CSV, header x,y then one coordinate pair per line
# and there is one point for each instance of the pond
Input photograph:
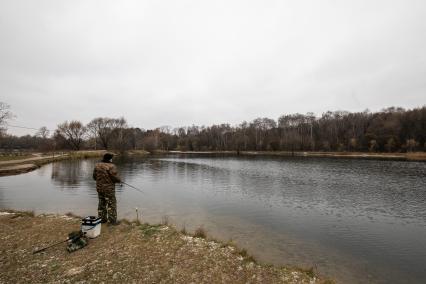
x,y
356,221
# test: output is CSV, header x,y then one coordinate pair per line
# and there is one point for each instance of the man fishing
x,y
106,176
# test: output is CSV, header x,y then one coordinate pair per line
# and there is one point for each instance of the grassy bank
x,y
137,152
13,165
15,157
31,162
411,156
130,252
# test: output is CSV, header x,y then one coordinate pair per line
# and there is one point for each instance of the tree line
x,y
390,130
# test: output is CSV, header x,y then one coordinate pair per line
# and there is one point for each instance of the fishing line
x,y
129,185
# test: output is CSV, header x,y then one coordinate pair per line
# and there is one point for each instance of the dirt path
x,y
17,169
19,166
128,253
37,157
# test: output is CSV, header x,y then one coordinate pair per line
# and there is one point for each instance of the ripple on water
x,y
352,218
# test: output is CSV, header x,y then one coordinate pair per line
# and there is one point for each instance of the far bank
x,y
410,156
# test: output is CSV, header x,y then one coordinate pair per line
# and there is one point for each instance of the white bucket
x,y
91,226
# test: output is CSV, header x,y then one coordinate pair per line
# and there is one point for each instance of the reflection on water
x,y
65,175
356,220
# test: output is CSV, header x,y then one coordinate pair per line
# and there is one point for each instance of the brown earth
x,y
127,253
16,166
17,169
33,158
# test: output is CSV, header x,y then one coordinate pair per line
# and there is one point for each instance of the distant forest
x,y
390,130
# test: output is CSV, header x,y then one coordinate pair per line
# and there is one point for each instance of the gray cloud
x,y
203,62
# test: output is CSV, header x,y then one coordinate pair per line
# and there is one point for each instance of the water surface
x,y
357,221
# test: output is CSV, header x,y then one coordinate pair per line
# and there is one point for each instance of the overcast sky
x,y
203,62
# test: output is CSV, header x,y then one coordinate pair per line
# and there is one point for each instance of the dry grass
x,y
125,222
309,271
86,154
149,230
21,165
165,220
244,254
125,253
15,157
72,215
19,213
200,233
417,156
183,230
137,152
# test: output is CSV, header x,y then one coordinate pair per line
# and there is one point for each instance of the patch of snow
x,y
6,213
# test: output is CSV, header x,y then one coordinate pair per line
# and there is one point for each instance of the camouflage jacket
x,y
106,176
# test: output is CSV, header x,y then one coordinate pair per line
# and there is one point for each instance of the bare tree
x,y
44,143
5,114
43,132
73,132
119,125
102,128
392,130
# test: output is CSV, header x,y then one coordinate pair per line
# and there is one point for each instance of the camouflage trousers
x,y
107,207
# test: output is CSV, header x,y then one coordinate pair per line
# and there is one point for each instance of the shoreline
x,y
157,253
411,156
20,166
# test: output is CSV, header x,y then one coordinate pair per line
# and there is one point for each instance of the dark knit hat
x,y
107,157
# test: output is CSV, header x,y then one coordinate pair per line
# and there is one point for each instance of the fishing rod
x,y
129,185
72,237
55,244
